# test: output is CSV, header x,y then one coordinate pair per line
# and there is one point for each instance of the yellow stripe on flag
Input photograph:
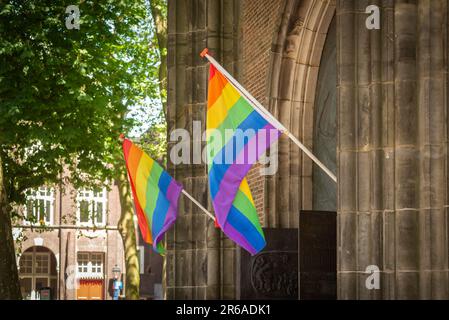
x,y
219,111
142,174
244,187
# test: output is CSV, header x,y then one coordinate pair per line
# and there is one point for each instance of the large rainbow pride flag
x,y
231,154
155,194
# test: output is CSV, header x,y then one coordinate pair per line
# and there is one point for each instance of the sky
x,y
145,115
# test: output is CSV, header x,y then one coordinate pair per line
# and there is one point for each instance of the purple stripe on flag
x,y
233,177
170,219
232,233
173,192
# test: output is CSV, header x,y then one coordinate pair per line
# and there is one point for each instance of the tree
x,y
64,95
154,141
127,232
9,279
159,15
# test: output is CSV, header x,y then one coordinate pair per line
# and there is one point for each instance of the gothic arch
x,y
295,61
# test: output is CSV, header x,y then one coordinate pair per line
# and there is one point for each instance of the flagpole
x,y
266,114
198,204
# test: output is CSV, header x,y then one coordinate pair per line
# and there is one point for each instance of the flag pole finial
x,y
204,52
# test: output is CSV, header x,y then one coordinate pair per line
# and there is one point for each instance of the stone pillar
x,y
392,149
200,262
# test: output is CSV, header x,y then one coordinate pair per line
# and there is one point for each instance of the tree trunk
x,y
127,231
9,277
160,24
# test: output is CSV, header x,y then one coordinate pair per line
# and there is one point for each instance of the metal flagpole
x,y
198,204
266,114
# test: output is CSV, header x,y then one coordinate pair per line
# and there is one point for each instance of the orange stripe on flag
x,y
133,161
216,86
133,155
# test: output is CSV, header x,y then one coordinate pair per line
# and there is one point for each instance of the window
x,y
39,205
83,262
26,263
97,262
37,269
42,263
92,206
90,265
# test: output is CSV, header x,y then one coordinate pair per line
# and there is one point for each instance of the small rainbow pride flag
x,y
155,194
237,135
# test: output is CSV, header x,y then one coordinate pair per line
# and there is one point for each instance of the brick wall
x,y
65,245
260,20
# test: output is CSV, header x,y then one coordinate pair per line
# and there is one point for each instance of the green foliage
x,y
154,141
159,16
64,93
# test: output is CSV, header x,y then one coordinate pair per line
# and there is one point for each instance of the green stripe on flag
x,y
244,205
236,115
152,192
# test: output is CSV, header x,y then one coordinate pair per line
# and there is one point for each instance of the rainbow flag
x,y
155,194
237,135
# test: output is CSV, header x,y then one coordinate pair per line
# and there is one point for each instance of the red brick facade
x,y
65,238
260,21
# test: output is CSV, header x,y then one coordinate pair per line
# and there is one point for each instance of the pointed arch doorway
x,y
303,96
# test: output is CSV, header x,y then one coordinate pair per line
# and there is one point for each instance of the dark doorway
x,y
325,126
273,274
317,255
318,228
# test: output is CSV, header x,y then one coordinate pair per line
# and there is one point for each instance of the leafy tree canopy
x,y
64,93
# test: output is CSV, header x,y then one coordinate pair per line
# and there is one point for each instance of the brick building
x,y
371,103
78,243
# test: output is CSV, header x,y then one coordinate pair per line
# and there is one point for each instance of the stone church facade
x,y
371,104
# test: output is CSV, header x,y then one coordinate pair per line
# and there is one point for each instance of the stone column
x,y
392,150
200,262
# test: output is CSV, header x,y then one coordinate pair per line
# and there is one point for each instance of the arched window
x,y
37,269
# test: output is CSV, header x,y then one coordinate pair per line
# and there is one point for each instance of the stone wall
x,y
392,149
392,160
200,260
274,49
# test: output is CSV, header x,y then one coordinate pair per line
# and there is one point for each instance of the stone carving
x,y
272,275
292,40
